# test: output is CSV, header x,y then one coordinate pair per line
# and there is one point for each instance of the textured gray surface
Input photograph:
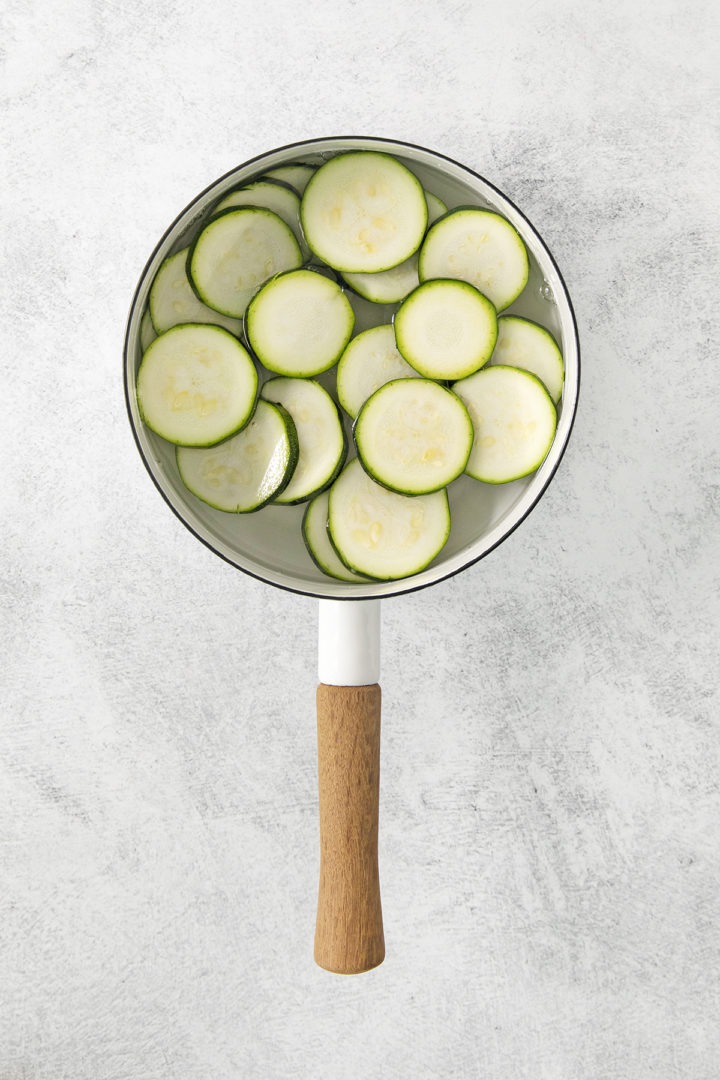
x,y
550,858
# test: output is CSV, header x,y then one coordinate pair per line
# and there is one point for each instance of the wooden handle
x,y
349,931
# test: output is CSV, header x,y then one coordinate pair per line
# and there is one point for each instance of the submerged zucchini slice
x,y
389,286
297,175
321,436
514,420
414,436
272,195
317,541
480,247
299,323
173,300
196,385
363,212
147,330
236,253
523,344
244,472
380,533
370,360
392,286
446,329
436,208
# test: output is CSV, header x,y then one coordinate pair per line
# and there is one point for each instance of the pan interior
x,y
269,544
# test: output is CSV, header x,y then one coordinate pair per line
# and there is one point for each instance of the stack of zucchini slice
x,y
242,322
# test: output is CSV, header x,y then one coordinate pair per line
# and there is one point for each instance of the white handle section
x,y
349,642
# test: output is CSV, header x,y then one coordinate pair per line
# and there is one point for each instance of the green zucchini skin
x,y
317,237
298,257
293,452
391,290
553,380
500,298
201,314
341,573
434,499
415,386
321,298
466,389
343,560
325,270
294,444
261,200
408,321
360,368
304,168
331,479
148,333
247,187
268,394
148,358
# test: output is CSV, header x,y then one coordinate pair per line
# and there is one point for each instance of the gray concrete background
x,y
550,857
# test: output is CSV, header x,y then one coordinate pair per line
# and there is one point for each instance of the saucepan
x,y
269,546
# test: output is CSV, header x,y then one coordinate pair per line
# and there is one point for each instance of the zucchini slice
x,y
480,247
392,286
147,331
236,253
271,195
317,541
514,420
413,436
173,300
244,472
196,385
446,329
320,433
523,344
370,360
380,533
299,323
297,175
436,208
389,286
363,212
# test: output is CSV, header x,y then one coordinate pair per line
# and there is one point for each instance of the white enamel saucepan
x,y
268,545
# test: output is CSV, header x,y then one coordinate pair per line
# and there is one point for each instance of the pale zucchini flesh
x,y
271,195
318,543
369,361
321,436
147,330
245,472
392,286
514,420
524,344
436,208
413,436
381,534
480,247
299,323
363,212
237,252
389,286
296,175
173,300
446,329
196,385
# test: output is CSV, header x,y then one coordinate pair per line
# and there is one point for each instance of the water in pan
x,y
270,541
